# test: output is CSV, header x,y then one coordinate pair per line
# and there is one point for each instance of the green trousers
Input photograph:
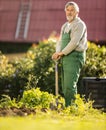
x,y
71,67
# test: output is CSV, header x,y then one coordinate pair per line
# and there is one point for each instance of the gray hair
x,y
73,4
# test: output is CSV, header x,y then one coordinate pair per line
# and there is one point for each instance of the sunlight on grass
x,y
52,122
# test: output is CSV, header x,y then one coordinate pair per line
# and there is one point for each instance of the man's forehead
x,y
70,7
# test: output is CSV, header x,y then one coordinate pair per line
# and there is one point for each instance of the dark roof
x,y
46,16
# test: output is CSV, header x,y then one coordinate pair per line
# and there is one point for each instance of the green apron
x,y
71,67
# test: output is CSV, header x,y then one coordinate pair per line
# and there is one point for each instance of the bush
x,y
95,65
35,98
40,100
14,77
44,66
36,69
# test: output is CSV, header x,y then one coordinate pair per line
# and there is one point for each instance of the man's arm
x,y
76,34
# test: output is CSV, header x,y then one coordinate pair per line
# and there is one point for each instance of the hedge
x,y
37,69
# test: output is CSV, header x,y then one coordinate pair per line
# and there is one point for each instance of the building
x,y
33,20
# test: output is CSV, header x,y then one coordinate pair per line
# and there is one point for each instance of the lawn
x,y
54,121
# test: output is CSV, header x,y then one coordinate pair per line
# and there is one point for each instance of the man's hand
x,y
57,55
60,54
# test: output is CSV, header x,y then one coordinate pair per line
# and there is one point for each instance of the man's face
x,y
70,13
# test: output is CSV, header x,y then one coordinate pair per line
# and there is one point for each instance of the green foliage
x,y
36,69
6,69
6,102
16,76
95,65
81,107
23,73
44,66
34,97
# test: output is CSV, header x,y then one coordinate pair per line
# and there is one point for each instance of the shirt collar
x,y
75,20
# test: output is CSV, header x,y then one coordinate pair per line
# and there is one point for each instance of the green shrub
x,y
37,69
6,73
44,66
35,98
14,76
95,65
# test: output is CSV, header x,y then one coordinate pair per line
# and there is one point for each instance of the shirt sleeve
x,y
76,34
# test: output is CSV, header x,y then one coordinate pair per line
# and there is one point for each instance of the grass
x,y
54,121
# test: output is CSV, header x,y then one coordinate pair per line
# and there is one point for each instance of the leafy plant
x,y
7,102
95,65
81,107
37,69
44,66
35,98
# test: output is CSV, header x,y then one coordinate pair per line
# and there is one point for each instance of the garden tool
x,y
56,78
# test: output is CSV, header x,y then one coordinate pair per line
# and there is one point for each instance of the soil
x,y
4,112
16,111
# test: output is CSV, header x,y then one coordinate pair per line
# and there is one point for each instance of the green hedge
x,y
95,65
37,68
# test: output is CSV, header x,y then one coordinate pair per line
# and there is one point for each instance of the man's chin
x,y
70,19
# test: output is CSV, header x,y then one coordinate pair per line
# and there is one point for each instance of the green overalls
x,y
71,67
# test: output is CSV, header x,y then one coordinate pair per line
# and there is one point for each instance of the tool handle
x,y
56,78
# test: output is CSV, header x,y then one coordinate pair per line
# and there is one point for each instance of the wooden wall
x,y
48,16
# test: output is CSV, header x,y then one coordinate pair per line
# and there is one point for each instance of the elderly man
x,y
71,51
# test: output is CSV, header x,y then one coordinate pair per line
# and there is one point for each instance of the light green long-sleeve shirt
x,y
78,36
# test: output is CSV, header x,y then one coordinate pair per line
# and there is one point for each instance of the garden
x,y
27,91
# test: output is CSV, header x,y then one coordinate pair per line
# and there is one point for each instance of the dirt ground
x,y
5,112
16,111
